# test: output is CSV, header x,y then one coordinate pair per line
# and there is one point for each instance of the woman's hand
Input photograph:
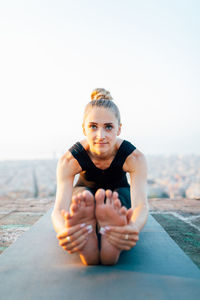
x,y
73,239
122,237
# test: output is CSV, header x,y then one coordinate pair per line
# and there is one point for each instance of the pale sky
x,y
54,53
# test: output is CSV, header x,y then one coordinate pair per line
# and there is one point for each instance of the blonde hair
x,y
102,98
100,93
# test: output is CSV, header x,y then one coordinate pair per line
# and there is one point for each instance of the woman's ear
x,y
119,129
83,129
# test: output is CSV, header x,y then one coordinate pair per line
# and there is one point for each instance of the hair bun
x,y
101,93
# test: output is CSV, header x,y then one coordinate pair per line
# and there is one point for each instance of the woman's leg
x,y
82,210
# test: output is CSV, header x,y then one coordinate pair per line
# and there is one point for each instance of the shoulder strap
x,y
79,153
124,150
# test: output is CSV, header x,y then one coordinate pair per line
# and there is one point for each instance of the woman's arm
x,y
63,200
137,167
67,168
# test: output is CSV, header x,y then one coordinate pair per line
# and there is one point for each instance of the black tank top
x,y
94,177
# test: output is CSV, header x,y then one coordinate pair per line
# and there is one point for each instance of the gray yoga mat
x,y
36,267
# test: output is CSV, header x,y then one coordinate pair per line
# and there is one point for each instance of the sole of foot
x,y
109,212
82,211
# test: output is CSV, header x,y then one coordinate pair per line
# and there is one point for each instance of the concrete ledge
x,y
36,267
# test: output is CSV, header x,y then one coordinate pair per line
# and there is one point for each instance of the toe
x,y
73,207
114,198
75,199
115,195
89,198
99,196
117,204
63,212
109,193
129,214
81,199
67,216
109,199
123,211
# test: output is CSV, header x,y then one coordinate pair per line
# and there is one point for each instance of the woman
x,y
102,214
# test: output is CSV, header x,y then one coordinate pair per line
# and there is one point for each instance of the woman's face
x,y
101,129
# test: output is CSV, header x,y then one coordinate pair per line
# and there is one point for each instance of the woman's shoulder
x,y
135,160
84,143
66,158
68,162
119,142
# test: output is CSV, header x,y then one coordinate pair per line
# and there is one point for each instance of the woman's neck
x,y
108,155
102,156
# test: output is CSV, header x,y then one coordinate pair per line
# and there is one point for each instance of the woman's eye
x,y
93,126
108,127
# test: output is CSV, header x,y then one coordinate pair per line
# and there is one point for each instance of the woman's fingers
x,y
122,245
123,236
71,230
75,248
122,242
127,229
118,237
74,240
76,245
119,246
79,247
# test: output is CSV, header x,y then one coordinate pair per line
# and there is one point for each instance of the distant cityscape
x,y
168,177
174,176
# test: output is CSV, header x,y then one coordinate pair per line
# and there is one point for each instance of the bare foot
x,y
109,213
82,210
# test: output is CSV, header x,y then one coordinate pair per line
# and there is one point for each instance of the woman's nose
x,y
101,133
